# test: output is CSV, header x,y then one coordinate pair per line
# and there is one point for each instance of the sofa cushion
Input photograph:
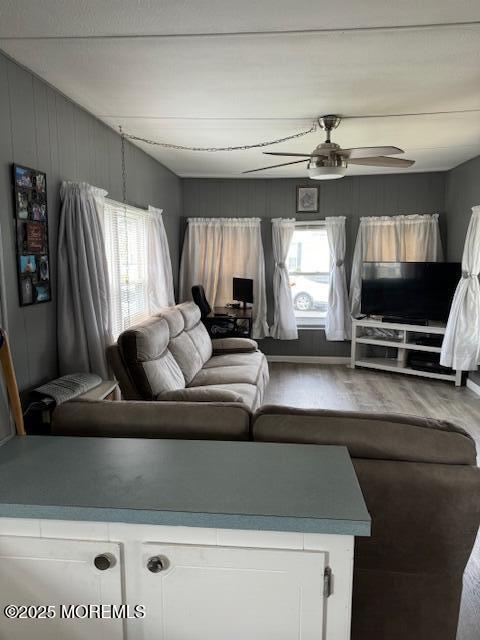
x,y
368,435
226,375
248,368
235,359
233,345
174,319
181,345
246,394
144,350
200,394
195,328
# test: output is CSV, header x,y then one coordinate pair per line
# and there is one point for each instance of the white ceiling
x,y
223,73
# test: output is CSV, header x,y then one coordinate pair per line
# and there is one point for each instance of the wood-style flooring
x,y
339,387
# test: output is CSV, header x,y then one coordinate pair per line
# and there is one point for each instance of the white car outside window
x,y
308,266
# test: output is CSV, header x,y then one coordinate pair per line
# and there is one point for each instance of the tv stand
x,y
406,334
400,320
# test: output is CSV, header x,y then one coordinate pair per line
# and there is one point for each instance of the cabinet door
x,y
235,593
39,571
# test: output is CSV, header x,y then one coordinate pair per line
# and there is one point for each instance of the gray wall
x,y
462,193
41,128
352,196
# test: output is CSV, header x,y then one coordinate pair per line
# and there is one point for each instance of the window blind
x,y
125,231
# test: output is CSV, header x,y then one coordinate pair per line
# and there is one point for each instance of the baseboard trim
x,y
310,359
473,386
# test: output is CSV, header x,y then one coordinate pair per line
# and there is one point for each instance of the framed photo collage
x,y
31,225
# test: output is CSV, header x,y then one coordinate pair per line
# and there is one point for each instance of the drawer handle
x,y
155,564
104,561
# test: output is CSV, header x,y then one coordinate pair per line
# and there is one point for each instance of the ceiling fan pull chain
x,y
245,147
124,166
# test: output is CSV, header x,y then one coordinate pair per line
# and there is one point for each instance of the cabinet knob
x,y
155,564
104,561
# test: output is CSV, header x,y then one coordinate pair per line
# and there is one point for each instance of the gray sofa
x,y
171,358
418,476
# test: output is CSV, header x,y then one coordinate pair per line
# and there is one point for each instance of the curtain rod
x,y
310,223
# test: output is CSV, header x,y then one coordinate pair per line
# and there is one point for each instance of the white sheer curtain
x,y
284,323
413,238
201,257
159,264
461,345
84,326
337,322
217,249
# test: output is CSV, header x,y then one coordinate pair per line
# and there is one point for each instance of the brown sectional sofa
x,y
422,488
171,358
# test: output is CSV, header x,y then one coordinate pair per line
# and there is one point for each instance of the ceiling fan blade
x,y
382,161
274,166
370,152
280,153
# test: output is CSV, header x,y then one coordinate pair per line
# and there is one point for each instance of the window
x,y
308,265
125,230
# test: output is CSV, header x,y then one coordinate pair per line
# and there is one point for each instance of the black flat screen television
x,y
243,290
409,290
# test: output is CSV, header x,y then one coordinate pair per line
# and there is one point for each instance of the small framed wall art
x,y
307,199
31,226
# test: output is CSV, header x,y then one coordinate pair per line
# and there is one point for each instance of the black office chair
x,y
200,299
217,326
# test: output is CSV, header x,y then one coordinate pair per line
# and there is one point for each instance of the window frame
x,y
306,225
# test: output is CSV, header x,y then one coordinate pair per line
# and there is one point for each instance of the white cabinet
x,y
40,571
194,583
199,592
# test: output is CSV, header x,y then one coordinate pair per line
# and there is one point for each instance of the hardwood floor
x,y
338,387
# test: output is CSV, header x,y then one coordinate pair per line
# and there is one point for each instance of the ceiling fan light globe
x,y
331,167
326,173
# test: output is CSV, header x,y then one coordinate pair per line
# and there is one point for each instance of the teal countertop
x,y
225,485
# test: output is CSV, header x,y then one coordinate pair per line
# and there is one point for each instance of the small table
x,y
38,423
104,391
236,314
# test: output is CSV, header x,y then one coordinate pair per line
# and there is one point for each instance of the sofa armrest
x,y
149,419
372,436
222,346
200,394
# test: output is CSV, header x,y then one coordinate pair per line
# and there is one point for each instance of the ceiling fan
x,y
329,161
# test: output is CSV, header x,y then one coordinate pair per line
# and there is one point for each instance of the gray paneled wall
x,y
352,196
462,193
41,128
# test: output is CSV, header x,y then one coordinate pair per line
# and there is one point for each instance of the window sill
x,y
311,327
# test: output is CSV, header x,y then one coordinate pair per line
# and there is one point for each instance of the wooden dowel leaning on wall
x,y
11,383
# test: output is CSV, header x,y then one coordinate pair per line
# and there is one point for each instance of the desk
x,y
178,525
239,317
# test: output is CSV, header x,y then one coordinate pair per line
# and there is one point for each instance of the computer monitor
x,y
243,290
